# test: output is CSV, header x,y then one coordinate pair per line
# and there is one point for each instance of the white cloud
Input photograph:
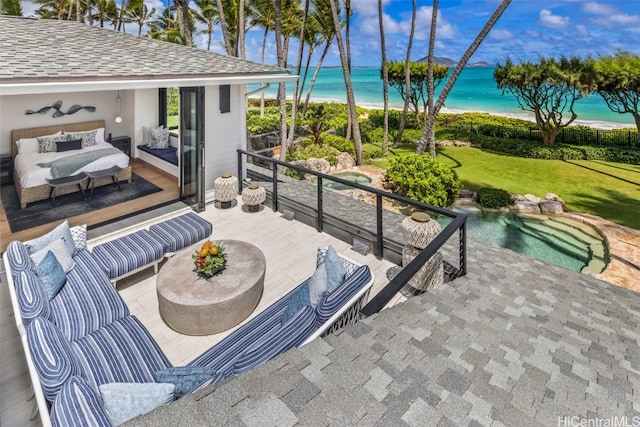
x,y
548,19
367,7
624,19
502,35
598,8
532,33
582,30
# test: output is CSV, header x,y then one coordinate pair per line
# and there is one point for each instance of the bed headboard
x,y
17,134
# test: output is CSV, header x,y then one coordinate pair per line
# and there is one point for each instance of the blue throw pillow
x,y
51,275
185,378
335,270
61,231
124,401
318,285
58,248
297,302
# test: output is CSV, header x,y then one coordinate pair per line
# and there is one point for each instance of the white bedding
x,y
32,175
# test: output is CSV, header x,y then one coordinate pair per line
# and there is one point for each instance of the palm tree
x,y
184,21
351,102
104,11
432,41
262,15
282,92
241,29
225,28
385,82
422,142
313,38
407,78
165,27
51,9
294,106
138,12
323,16
207,15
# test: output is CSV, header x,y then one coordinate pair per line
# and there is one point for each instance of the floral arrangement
x,y
210,258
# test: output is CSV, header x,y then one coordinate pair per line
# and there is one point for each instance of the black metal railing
x,y
345,217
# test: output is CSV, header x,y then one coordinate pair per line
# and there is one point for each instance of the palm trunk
x,y
385,83
282,90
294,105
422,142
431,138
306,72
315,76
225,28
351,102
407,79
241,29
264,45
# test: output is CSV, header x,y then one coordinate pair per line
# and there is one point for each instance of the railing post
x,y
239,172
379,237
320,213
463,248
274,191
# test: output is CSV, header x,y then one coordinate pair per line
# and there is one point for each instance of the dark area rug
x,y
39,213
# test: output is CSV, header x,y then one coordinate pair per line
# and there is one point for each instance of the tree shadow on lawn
x,y
611,205
622,166
603,173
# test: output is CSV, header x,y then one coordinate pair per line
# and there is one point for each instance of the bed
x,y
30,180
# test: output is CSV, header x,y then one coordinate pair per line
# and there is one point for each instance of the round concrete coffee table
x,y
193,305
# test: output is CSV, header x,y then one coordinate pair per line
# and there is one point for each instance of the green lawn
x,y
610,190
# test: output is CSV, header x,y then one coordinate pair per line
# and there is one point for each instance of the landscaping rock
x,y
461,144
444,143
555,198
318,165
550,207
518,198
345,162
525,207
532,198
467,194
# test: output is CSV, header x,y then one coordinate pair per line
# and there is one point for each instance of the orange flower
x,y
213,250
203,252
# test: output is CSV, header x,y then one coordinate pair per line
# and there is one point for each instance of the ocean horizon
x,y
474,91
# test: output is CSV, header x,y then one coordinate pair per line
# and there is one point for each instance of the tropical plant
x,y
431,138
138,12
493,198
222,19
207,14
548,88
315,123
11,7
417,97
618,79
431,121
424,179
165,27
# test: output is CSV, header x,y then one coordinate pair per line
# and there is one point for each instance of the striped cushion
x,y
32,299
122,351
94,300
180,232
127,253
331,303
52,356
223,355
289,335
18,256
78,405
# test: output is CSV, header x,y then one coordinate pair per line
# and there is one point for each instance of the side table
x,y
6,169
122,143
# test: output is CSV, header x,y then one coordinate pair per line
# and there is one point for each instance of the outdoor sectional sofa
x,y
88,356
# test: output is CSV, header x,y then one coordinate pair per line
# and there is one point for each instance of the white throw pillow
x,y
58,248
31,145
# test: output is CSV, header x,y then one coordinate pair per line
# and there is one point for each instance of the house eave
x,y
37,86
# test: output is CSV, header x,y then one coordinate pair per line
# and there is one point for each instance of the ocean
x,y
475,90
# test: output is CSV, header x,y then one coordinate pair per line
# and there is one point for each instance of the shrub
x,y
424,179
257,125
339,143
493,198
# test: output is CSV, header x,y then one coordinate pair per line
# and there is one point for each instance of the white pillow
x,y
58,248
31,145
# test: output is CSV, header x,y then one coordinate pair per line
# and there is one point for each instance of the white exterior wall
x,y
13,109
145,113
224,133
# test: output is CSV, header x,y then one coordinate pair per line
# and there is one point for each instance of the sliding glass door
x,y
192,147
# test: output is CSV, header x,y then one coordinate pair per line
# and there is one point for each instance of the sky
x,y
527,30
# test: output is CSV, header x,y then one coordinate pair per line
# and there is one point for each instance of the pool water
x,y
358,178
559,241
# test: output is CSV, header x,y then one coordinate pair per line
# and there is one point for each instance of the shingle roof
x,y
49,50
515,342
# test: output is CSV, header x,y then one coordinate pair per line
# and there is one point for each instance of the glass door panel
x,y
192,146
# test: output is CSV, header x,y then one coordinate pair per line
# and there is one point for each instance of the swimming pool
x,y
559,241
